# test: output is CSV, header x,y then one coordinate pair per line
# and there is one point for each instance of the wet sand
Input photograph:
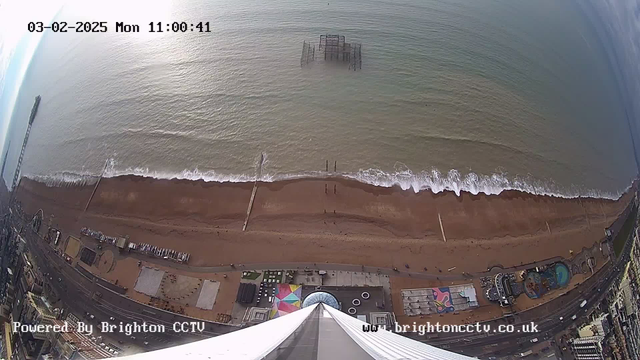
x,y
296,221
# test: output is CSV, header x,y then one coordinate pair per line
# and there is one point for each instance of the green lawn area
x,y
619,241
251,275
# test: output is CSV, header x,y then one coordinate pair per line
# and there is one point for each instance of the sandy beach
x,y
297,221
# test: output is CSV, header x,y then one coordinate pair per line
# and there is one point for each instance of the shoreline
x,y
434,182
120,194
294,221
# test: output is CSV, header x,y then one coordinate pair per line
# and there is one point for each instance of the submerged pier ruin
x,y
308,53
334,48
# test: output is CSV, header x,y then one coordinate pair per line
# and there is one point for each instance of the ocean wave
x,y
111,171
432,180
195,174
473,183
64,178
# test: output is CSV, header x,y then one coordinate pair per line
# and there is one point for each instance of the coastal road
x,y
77,293
548,326
551,318
77,290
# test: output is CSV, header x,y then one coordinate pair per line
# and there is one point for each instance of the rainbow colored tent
x,y
286,300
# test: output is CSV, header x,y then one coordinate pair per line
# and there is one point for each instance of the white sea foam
x,y
493,184
433,180
402,176
195,174
64,178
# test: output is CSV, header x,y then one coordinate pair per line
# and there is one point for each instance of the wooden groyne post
x,y
442,228
96,187
253,192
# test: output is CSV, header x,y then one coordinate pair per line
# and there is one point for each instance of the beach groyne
x,y
298,221
381,210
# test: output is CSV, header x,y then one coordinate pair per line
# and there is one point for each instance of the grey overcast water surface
x,y
475,95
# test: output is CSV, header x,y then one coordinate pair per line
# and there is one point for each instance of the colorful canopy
x,y
286,300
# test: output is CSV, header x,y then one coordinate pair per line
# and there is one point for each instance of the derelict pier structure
x,y
308,53
334,48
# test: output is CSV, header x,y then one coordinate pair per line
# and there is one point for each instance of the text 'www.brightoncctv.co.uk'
x,y
428,327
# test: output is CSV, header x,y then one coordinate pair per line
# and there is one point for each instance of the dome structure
x,y
269,338
321,297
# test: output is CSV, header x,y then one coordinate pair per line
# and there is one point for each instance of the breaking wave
x,y
493,184
64,178
404,178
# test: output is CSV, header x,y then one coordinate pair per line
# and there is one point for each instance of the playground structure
x,y
334,48
539,282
